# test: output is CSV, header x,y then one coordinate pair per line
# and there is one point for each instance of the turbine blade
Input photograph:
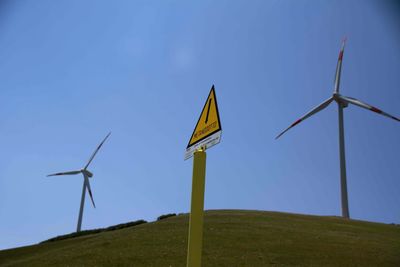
x,y
309,114
64,173
97,149
339,66
89,190
359,103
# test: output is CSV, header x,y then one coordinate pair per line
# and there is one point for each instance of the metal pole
x,y
343,179
78,228
197,209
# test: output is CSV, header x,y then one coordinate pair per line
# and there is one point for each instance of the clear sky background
x,y
71,71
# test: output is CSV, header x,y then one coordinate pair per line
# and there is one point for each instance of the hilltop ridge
x,y
231,238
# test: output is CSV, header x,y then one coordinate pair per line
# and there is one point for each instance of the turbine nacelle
x,y
87,173
339,99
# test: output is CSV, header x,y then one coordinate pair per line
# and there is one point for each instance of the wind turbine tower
x,y
86,185
342,102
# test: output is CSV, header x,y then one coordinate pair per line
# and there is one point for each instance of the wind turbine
x,y
343,102
86,185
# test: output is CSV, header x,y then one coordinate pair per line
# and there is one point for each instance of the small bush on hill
x,y
95,231
165,216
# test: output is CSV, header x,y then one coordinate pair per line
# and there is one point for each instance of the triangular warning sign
x,y
207,125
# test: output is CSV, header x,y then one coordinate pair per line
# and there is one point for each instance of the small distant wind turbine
x,y
342,102
86,175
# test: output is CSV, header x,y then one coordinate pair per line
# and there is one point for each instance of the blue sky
x,y
71,71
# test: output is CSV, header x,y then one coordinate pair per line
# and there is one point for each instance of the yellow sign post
x,y
196,214
207,133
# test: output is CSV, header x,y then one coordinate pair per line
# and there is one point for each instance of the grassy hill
x,y
231,238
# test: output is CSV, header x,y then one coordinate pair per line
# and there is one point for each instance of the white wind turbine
x,y
342,102
86,185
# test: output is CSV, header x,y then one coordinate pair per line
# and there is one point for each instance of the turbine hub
x,y
336,96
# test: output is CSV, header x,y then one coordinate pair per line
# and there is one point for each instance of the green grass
x,y
231,238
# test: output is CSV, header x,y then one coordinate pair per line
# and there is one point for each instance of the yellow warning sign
x,y
207,126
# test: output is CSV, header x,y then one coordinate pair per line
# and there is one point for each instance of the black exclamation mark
x,y
208,109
